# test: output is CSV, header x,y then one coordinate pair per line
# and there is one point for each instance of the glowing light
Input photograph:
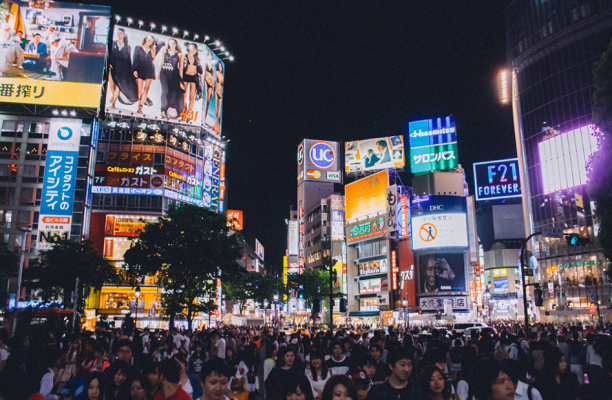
x,y
152,26
140,24
196,36
164,28
129,21
117,18
504,86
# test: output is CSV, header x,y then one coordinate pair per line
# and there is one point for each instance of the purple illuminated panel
x,y
563,158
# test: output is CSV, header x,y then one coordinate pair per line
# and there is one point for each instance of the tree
x,y
57,269
8,267
600,168
250,285
187,249
310,284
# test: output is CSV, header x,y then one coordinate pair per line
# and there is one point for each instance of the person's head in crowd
x,y
407,340
124,353
400,363
433,384
215,376
376,352
152,376
89,346
435,356
139,388
182,360
229,354
286,357
514,370
53,357
380,341
339,387
490,382
98,351
337,349
199,347
270,349
435,334
119,381
367,364
317,361
95,386
362,383
554,362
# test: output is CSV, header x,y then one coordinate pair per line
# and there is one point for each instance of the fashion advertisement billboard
x,y
234,220
433,145
367,196
441,272
164,77
53,55
374,154
494,180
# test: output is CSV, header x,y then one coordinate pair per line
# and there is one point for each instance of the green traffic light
x,y
574,240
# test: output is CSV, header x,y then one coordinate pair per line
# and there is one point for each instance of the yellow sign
x,y
367,196
70,94
579,202
498,273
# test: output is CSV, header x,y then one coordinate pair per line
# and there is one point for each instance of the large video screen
x,y
441,272
165,77
374,154
53,55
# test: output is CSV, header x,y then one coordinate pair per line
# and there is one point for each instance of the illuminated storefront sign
x,y
433,145
437,303
234,219
366,229
403,217
337,218
394,269
498,273
497,179
126,225
59,181
259,249
216,174
293,238
373,267
318,160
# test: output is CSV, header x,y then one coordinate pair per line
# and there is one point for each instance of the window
x,y
6,147
9,126
29,170
32,149
7,215
24,217
36,127
101,31
27,194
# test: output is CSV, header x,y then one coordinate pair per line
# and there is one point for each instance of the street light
x,y
207,299
137,293
265,304
405,304
25,229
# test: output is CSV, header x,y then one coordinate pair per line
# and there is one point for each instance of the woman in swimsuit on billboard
x,y
144,69
171,78
192,70
219,96
209,82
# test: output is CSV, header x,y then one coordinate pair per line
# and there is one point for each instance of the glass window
x,y
23,217
8,126
36,127
29,170
26,194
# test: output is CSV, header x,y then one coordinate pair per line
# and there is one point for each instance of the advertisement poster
x,y
439,231
165,77
259,249
391,216
60,58
234,219
59,181
319,160
367,195
374,154
293,238
337,220
494,180
433,145
442,272
403,217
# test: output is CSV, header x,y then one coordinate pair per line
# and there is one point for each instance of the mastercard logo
x,y
313,174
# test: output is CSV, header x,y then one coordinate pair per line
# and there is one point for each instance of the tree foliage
x,y
310,284
600,168
250,285
57,269
187,249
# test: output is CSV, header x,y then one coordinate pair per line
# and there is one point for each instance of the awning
x,y
364,314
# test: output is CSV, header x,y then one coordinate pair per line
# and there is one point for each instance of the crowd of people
x,y
501,362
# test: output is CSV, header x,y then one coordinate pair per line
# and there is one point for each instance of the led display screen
x,y
433,145
259,249
495,180
60,58
234,219
442,272
374,154
563,158
185,79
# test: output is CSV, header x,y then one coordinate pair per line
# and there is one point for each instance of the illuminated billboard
x,y
441,272
292,246
337,218
433,145
374,154
59,182
439,222
192,96
60,58
234,219
367,196
563,158
259,249
494,180
319,161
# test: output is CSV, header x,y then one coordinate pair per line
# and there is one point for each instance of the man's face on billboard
x,y
430,271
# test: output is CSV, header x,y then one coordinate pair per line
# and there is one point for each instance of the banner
x,y
58,186
293,238
192,96
59,59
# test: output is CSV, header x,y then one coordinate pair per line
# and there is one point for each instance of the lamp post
x,y
407,316
207,299
137,293
276,310
487,295
265,304
25,230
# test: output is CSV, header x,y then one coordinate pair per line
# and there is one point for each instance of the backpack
x,y
529,392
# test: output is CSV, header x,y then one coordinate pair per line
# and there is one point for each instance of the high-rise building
x,y
552,47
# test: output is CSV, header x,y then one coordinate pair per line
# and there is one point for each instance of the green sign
x,y
434,158
433,145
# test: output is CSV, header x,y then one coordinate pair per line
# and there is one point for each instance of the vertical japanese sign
x,y
301,236
337,223
403,217
391,218
344,274
208,176
293,238
216,174
59,181
394,269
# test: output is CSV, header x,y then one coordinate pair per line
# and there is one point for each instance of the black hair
x,y
4,336
337,343
552,358
270,347
318,355
328,390
606,361
513,369
401,353
364,359
102,382
382,143
433,356
425,379
170,369
483,377
180,357
375,346
144,382
124,343
280,358
216,366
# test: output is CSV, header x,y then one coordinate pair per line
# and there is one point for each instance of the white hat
x,y
53,38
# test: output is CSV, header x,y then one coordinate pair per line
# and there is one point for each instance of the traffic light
x,y
334,276
315,307
420,312
342,305
592,308
574,239
539,300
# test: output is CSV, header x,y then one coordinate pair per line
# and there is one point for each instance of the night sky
x,y
342,71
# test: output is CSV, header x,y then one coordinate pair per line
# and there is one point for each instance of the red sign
x,y
394,269
234,219
403,217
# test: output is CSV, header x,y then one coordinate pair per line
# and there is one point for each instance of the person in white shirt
x,y
4,350
318,374
146,342
521,389
179,340
220,344
48,380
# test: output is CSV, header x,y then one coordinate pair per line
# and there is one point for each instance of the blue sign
x,y
216,173
58,186
494,180
322,155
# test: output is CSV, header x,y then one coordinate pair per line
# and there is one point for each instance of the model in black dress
x,y
192,71
121,80
220,80
209,83
144,69
171,78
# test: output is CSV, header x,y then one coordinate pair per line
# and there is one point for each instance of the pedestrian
x,y
214,379
399,385
286,366
95,386
319,373
434,386
340,387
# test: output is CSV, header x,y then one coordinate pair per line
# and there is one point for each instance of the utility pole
x,y
24,239
524,276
